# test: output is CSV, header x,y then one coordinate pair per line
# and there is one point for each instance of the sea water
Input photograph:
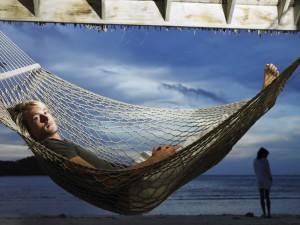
x,y
207,194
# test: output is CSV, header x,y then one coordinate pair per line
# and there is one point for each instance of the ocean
x,y
206,195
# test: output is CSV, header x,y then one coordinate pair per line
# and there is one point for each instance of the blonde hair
x,y
18,114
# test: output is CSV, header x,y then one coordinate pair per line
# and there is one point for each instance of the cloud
x,y
13,152
141,84
279,134
194,92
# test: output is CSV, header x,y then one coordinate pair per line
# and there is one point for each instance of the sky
x,y
171,68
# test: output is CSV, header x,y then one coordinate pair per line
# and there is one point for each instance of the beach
x,y
150,220
207,200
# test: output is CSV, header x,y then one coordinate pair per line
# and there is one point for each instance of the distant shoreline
x,y
24,167
29,166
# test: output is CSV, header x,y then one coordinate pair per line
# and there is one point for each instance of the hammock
x,y
118,132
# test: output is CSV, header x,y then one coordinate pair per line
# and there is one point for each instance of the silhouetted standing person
x,y
264,179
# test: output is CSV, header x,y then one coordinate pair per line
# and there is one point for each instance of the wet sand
x,y
147,220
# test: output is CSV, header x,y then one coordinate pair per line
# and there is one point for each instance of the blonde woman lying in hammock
x,y
34,118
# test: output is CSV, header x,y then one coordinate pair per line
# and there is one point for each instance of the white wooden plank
x,y
103,9
167,9
36,4
31,5
283,6
239,2
229,10
143,11
245,17
297,13
14,10
98,6
182,13
75,11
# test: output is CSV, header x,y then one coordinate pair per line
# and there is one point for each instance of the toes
x,y
275,71
272,69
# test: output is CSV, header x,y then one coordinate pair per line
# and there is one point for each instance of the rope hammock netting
x,y
118,132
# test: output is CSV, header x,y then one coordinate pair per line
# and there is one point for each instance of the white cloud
x,y
13,152
280,134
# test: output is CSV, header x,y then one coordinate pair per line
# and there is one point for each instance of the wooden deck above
x,y
222,14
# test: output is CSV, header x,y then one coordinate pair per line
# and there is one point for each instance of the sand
x,y
150,220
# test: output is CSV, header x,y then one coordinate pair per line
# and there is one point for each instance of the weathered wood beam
x,y
103,9
36,4
32,5
283,6
167,9
239,14
297,12
98,6
228,10
163,7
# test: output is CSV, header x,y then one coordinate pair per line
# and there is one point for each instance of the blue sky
x,y
178,69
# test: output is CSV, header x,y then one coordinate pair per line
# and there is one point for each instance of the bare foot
x,y
271,72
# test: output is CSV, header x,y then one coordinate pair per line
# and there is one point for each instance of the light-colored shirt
x,y
263,173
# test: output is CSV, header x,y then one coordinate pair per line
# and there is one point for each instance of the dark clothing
x,y
70,150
